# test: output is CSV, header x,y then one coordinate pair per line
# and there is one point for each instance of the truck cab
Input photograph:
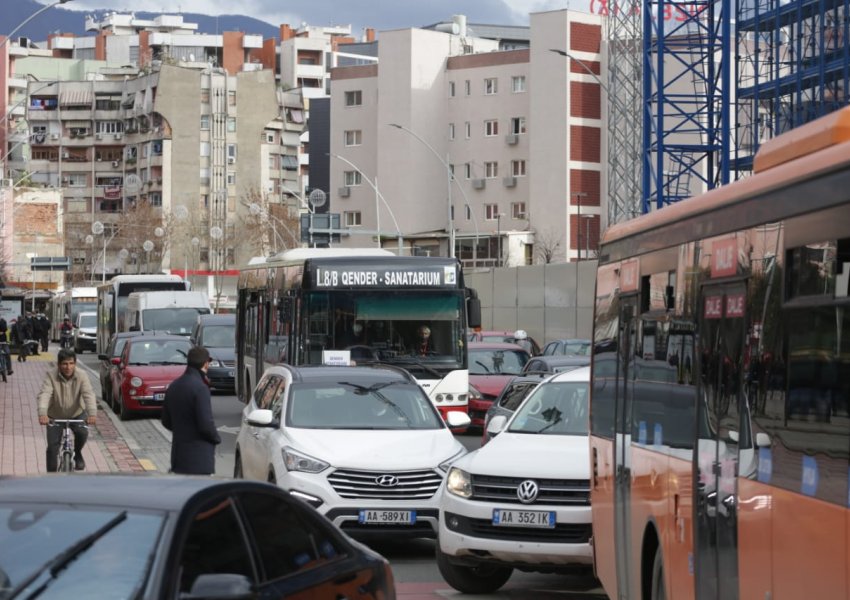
x,y
174,312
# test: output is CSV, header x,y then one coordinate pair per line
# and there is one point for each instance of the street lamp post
x,y
196,258
380,196
578,196
98,229
499,237
30,18
587,219
147,246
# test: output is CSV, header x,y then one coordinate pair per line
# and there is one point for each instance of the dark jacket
x,y
187,412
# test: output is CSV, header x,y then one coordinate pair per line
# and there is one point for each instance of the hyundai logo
x,y
390,481
527,491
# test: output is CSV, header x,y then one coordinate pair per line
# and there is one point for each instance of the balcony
x,y
17,82
252,41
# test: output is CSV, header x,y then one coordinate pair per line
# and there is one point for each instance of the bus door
x,y
722,335
627,336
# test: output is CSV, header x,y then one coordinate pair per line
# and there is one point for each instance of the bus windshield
x,y
388,327
172,320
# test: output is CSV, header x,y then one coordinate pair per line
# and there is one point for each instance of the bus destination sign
x,y
329,277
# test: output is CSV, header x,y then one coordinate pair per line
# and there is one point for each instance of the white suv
x,y
523,500
364,445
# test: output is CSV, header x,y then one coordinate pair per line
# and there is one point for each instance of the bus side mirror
x,y
473,312
285,309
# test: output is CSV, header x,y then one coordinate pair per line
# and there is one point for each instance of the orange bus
x,y
720,407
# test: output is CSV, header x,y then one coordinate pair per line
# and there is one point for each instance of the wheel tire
x,y
272,479
237,468
659,591
123,413
104,392
484,579
67,464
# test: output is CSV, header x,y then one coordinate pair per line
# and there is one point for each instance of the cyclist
x,y
66,394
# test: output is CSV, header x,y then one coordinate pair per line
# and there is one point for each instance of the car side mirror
x,y
733,435
261,417
496,425
457,419
220,586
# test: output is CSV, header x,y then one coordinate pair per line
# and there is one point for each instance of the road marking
x,y
147,464
229,429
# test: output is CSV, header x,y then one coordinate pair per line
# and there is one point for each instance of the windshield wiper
x,y
58,563
550,425
373,389
486,368
417,362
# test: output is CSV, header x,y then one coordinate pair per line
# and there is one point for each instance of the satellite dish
x,y
97,228
181,212
317,198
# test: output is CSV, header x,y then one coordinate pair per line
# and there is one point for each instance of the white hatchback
x,y
523,500
364,445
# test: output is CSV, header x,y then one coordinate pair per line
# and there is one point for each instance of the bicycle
x,y
66,445
5,360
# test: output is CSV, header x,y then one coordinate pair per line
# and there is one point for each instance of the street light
x,y
379,195
30,18
587,220
196,258
98,229
584,66
499,237
147,246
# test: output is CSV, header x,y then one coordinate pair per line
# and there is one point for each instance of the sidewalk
x,y
22,439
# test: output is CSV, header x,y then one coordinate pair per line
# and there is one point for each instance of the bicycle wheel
x,y
67,465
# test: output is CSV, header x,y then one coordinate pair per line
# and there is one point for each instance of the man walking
x,y
66,394
187,413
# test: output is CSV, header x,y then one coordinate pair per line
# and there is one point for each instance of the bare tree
x,y
548,246
140,224
267,226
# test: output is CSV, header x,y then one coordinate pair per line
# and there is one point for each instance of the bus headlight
x,y
459,483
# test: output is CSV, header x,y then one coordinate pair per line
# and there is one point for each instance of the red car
x,y
147,366
518,337
491,366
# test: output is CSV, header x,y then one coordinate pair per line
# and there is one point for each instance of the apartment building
x,y
521,130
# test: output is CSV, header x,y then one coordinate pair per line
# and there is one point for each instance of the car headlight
x,y
136,382
215,363
444,466
295,461
474,394
459,483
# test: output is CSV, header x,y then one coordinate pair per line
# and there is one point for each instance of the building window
x,y
205,96
468,212
205,149
518,168
231,178
269,138
231,98
518,125
467,87
491,212
205,122
109,126
451,131
353,137
452,170
490,86
352,178
289,162
352,218
273,161
518,84
451,89
231,123
468,129
77,180
491,127
231,151
518,210
294,115
155,199
354,98
468,170
491,170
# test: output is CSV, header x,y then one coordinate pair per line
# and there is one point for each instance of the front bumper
x,y
468,536
478,411
222,378
87,343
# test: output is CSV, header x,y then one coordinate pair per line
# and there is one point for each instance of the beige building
x,y
520,129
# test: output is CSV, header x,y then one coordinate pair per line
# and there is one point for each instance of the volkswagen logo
x,y
527,491
392,481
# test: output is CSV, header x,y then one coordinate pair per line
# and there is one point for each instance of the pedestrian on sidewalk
x,y
23,331
187,413
66,394
42,323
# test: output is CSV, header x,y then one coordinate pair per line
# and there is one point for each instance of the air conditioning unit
x,y
98,136
509,181
344,192
512,139
479,184
115,164
118,136
231,160
65,155
54,136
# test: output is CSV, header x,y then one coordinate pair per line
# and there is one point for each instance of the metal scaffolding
x,y
793,66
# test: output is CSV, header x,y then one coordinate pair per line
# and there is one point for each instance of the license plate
x,y
159,397
523,518
395,517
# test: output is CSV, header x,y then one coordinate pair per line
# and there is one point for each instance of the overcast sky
x,y
380,14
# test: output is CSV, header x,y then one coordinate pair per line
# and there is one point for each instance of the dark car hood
x,y
228,354
492,385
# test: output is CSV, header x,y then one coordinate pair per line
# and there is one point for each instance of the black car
x,y
555,363
511,397
109,363
168,537
217,333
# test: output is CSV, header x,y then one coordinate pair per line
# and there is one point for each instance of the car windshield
x,y
577,347
172,320
88,321
115,566
554,408
158,352
497,362
219,336
361,405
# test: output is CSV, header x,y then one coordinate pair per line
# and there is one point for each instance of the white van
x,y
85,332
166,311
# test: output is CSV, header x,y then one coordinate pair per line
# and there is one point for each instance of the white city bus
x,y
301,305
70,303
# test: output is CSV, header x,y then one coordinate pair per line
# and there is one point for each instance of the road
x,y
412,561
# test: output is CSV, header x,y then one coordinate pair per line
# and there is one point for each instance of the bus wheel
x,y
483,579
658,590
